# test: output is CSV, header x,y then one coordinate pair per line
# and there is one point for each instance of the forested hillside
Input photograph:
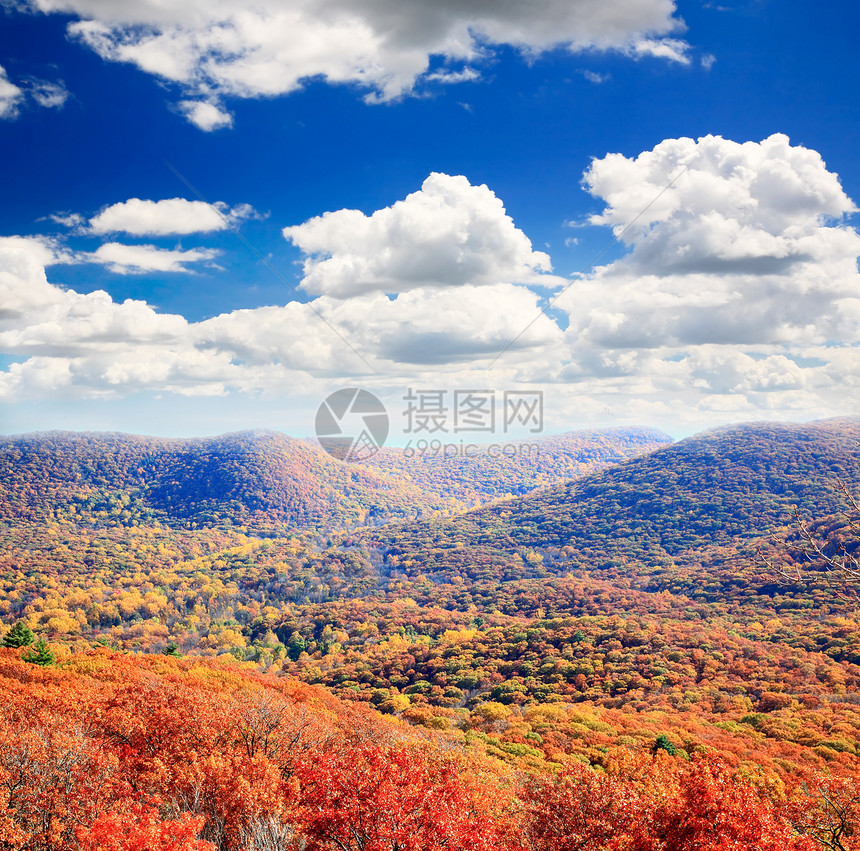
x,y
630,612
713,488
475,472
270,481
151,754
257,476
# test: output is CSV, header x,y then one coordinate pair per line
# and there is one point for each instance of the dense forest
x,y
273,482
531,647
122,752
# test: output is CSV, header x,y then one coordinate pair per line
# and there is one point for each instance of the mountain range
x,y
265,478
539,607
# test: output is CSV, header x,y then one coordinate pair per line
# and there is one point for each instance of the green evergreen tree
x,y
19,635
172,649
663,743
296,645
41,654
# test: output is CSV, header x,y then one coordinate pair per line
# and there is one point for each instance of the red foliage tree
x,y
141,829
716,811
370,798
828,808
657,807
579,810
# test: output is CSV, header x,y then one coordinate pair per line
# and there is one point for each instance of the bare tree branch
x,y
822,557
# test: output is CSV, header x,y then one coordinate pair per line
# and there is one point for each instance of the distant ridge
x,y
532,463
729,483
263,478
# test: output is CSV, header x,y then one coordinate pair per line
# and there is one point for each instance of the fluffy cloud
x,y
464,325
769,194
739,294
218,48
38,318
738,297
92,346
87,345
135,259
448,234
171,216
10,96
44,92
23,285
730,243
68,219
205,115
416,329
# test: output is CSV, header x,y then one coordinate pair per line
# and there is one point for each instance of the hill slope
x,y
524,627
258,477
264,478
716,488
518,467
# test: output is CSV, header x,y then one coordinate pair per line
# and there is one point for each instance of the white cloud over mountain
x,y
740,265
40,319
699,204
748,246
224,48
89,343
417,329
739,295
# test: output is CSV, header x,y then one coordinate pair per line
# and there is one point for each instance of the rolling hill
x,y
258,477
574,622
266,479
719,488
518,467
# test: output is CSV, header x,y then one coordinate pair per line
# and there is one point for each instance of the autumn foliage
x,y
142,829
375,799
144,753
591,668
655,805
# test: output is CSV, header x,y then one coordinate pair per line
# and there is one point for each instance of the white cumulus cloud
x,y
206,115
39,318
43,92
92,346
739,294
225,48
447,234
419,328
738,297
746,246
136,259
140,217
11,96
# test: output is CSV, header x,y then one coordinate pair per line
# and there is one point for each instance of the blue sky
x,y
461,134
